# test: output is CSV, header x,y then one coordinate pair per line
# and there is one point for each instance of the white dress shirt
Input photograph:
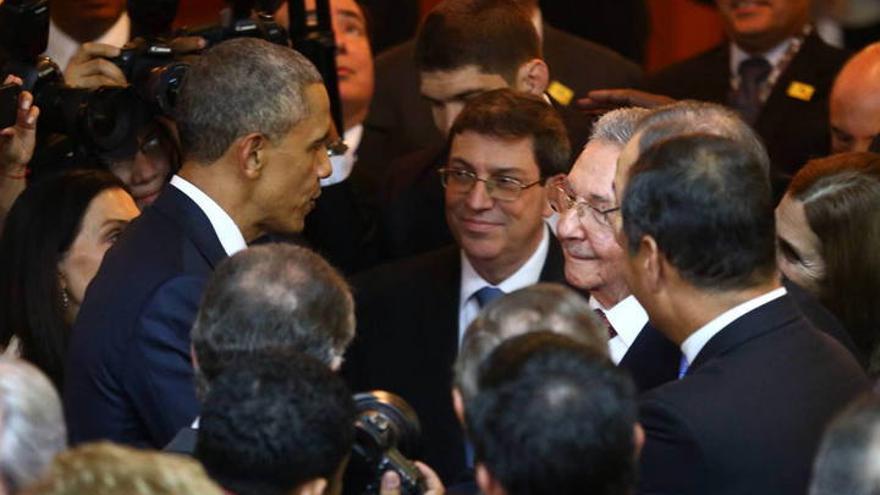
x,y
692,346
61,46
342,165
628,317
471,281
227,231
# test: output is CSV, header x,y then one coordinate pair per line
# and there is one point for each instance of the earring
x,y
65,299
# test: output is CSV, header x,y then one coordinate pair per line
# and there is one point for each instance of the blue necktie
x,y
683,367
487,294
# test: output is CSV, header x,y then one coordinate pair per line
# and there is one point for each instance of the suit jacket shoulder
x,y
128,375
749,415
705,76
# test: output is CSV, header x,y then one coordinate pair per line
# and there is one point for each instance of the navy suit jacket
x,y
651,360
407,341
129,377
749,414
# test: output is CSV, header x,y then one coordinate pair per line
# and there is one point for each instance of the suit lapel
x,y
652,359
183,211
440,309
753,324
554,264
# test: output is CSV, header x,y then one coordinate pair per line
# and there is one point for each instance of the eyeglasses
x,y
336,148
501,188
562,200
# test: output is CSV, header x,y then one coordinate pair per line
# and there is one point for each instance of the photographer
x,y
16,149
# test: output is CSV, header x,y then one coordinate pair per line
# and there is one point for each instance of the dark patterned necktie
x,y
753,72
611,332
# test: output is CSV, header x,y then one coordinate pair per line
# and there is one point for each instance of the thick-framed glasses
x,y
336,148
501,188
562,200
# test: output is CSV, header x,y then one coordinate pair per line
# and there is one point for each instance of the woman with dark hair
x,y
52,244
828,229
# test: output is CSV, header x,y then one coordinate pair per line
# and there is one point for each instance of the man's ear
x,y
533,77
638,439
458,405
250,154
650,262
314,486
487,483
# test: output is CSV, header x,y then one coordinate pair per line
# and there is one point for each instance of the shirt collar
x,y
342,165
692,346
628,318
528,274
773,55
61,46
224,227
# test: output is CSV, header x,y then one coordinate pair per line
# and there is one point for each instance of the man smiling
x,y
412,314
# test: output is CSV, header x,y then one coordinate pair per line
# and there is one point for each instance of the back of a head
x,y
618,126
841,198
513,115
699,117
40,228
706,201
107,469
847,459
554,416
275,296
497,36
32,428
540,307
237,87
272,423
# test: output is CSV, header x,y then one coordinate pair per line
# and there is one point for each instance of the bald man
x,y
855,102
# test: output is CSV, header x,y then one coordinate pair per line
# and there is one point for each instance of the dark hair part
x,y
847,458
841,198
706,201
497,36
275,296
271,423
543,306
237,87
41,226
513,115
554,416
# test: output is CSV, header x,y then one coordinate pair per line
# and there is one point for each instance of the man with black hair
x,y
553,416
758,382
277,425
413,313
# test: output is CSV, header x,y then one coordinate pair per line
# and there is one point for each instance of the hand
x,y
187,44
391,481
602,100
17,142
89,67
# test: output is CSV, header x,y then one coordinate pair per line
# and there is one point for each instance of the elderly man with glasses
x,y
588,218
412,314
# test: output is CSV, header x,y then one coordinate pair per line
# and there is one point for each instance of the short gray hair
x,y
618,126
31,424
698,117
237,87
847,457
540,307
271,298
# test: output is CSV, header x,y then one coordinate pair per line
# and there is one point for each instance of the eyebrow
x,y
352,14
458,96
495,172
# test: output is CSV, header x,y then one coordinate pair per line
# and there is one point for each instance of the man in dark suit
x,y
412,314
586,202
775,70
576,66
465,47
759,383
254,125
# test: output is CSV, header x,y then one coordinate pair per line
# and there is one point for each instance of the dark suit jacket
x,y
129,377
793,130
651,360
407,341
399,110
749,414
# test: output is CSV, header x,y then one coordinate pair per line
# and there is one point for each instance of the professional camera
x,y
153,70
386,427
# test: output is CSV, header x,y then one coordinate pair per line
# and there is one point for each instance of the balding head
x,y
855,102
